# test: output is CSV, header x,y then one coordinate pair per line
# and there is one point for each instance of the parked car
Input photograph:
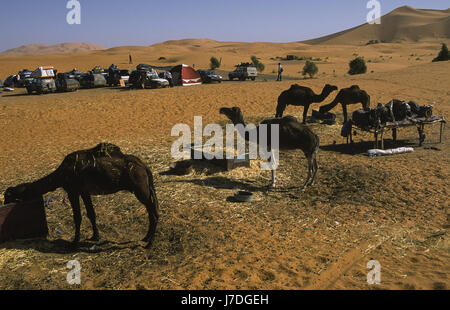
x,y
243,72
42,81
65,83
23,77
146,77
74,74
91,80
41,86
209,76
10,81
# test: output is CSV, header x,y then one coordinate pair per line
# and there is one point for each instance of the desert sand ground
x,y
391,209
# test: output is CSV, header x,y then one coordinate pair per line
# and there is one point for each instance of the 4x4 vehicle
x,y
24,77
146,77
243,72
74,74
42,81
209,76
90,80
64,82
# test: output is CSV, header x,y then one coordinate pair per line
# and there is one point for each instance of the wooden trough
x,y
23,220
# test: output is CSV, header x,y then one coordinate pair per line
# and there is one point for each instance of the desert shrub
x,y
214,63
372,42
444,54
310,69
161,58
259,65
357,66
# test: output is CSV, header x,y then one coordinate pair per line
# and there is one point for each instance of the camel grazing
x,y
101,170
301,96
347,96
292,135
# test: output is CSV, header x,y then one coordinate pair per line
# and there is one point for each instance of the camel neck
x,y
331,105
46,184
321,97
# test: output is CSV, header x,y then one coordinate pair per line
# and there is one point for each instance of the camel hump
x,y
295,86
106,149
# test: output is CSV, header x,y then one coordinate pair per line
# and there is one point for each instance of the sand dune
x,y
402,24
63,48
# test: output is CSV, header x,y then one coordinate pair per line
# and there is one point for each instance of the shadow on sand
x,y
361,148
60,246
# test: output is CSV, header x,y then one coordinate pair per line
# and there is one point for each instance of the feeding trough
x,y
197,154
23,220
243,196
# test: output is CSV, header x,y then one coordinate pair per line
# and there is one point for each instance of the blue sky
x,y
144,22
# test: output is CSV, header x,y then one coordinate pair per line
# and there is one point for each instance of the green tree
x,y
357,66
444,54
259,65
214,63
310,68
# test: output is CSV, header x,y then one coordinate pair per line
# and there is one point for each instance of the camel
x,y
292,135
301,96
101,170
347,96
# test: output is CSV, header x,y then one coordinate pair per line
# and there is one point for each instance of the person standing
x,y
280,71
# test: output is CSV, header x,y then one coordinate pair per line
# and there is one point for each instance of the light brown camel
x,y
301,96
101,170
292,135
347,96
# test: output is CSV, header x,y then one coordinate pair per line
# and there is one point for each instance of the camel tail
x,y
152,189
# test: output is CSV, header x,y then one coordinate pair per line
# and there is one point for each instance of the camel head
x,y
17,193
365,100
234,114
329,88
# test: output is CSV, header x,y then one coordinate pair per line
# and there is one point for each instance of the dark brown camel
x,y
292,135
101,170
301,96
347,96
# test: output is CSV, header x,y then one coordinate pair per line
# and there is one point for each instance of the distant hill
x,y
403,24
63,48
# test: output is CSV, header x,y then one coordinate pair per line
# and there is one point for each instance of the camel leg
x,y
344,111
315,167
91,215
273,170
75,203
305,112
310,165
